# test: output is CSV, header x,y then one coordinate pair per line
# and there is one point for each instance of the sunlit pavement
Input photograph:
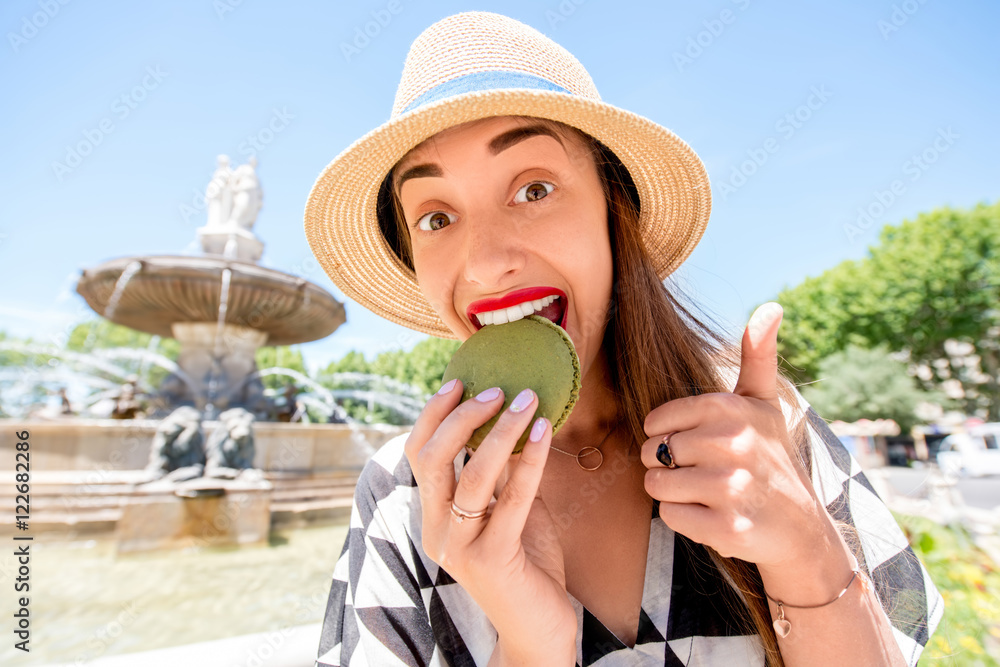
x,y
979,492
292,647
248,607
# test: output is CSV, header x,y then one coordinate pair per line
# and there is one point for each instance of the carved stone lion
x,y
178,447
230,448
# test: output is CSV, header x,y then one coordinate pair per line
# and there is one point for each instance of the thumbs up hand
x,y
737,486
759,359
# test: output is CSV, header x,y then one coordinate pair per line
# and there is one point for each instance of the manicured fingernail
x,y
538,430
490,394
448,386
522,401
761,320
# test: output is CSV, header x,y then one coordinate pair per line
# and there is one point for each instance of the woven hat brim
x,y
341,222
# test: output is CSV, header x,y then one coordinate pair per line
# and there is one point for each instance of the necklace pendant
x,y
781,626
586,451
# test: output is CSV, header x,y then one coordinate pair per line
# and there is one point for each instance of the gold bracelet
x,y
782,627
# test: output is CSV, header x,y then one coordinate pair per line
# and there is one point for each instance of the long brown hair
x,y
657,349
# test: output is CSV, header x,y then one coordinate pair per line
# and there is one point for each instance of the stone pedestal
x,y
199,513
218,363
238,244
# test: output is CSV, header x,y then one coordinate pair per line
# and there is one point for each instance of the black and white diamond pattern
x,y
390,605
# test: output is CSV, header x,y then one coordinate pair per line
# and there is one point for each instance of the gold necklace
x,y
587,451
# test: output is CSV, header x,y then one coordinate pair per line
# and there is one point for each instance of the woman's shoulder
x,y
386,470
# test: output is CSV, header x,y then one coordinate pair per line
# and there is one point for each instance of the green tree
x,y
12,357
428,361
352,362
283,356
928,287
103,334
859,383
421,368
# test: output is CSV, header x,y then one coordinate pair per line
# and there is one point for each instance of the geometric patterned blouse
x,y
391,605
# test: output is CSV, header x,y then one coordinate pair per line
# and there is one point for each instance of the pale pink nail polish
x,y
522,401
488,395
447,386
538,430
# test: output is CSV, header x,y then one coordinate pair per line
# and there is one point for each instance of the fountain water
x,y
215,371
95,369
116,295
407,401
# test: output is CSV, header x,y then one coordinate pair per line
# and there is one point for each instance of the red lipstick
x,y
512,299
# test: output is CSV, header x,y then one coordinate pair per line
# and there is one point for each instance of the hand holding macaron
x,y
490,536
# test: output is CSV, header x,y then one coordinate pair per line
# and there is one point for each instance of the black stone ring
x,y
663,454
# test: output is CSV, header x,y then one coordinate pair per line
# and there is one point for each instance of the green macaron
x,y
529,353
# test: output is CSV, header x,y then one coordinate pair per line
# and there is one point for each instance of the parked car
x,y
975,452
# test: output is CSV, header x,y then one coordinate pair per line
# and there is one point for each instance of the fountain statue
x,y
221,306
126,404
230,449
234,198
219,195
178,452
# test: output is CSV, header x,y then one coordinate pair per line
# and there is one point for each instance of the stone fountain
x,y
221,306
116,477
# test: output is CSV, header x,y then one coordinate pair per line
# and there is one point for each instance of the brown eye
x,y
534,191
434,221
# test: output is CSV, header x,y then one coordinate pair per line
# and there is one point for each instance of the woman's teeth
x,y
514,313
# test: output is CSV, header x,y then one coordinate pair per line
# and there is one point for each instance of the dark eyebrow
x,y
504,141
498,144
420,171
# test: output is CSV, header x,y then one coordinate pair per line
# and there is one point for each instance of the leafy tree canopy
x,y
927,284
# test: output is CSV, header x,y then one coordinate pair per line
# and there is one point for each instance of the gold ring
x,y
663,453
461,514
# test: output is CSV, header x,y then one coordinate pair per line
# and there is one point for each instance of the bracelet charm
x,y
783,627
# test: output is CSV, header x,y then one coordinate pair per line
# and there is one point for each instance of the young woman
x,y
693,510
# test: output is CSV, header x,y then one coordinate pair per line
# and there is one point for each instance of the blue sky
x,y
831,104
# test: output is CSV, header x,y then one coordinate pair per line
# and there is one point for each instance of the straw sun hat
x,y
478,65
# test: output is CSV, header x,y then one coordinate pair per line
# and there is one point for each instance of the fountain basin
x,y
220,310
177,289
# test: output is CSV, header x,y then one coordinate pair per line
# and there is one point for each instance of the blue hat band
x,y
481,82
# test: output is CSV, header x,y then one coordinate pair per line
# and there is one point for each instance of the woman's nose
x,y
493,251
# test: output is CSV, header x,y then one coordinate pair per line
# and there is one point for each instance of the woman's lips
x,y
548,302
